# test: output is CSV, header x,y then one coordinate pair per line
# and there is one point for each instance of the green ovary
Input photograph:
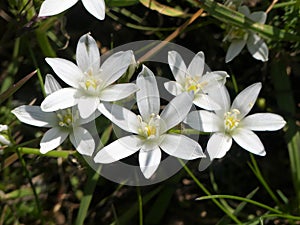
x,y
65,118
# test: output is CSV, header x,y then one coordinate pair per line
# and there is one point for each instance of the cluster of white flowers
x,y
93,91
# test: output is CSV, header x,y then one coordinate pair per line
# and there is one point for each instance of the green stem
x,y
54,153
201,186
241,199
93,177
254,167
140,202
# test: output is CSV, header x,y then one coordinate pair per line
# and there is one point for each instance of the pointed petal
x,y
33,115
115,66
173,87
204,121
51,85
95,7
176,111
196,66
122,117
246,99
87,105
149,161
258,17
54,7
248,140
177,66
147,96
83,141
87,54
213,79
117,91
206,102
181,146
119,149
234,49
257,47
66,70
263,122
221,96
218,145
60,99
52,139
244,10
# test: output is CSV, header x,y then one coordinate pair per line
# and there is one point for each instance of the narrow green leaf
x,y
5,95
162,9
120,3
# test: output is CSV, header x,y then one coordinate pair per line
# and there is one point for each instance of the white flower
x,y
149,128
193,79
3,138
240,37
63,123
231,122
54,7
90,82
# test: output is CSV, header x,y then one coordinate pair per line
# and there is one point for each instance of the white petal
x,y
204,121
218,144
234,49
257,47
81,120
66,70
3,127
173,87
246,99
95,7
117,91
87,54
258,17
181,146
213,79
87,105
4,140
196,66
115,66
52,139
176,111
248,140
33,115
147,96
119,149
83,141
244,10
122,117
177,66
149,161
54,7
263,122
206,102
221,96
51,85
61,99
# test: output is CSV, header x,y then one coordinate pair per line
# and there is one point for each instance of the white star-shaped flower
x,y
240,37
231,122
54,7
191,78
149,128
89,82
63,123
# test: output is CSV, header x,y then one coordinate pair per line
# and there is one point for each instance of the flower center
x,y
149,130
65,118
231,120
91,84
236,33
192,84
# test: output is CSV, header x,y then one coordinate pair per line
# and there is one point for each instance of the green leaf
x,y
121,3
5,95
162,9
